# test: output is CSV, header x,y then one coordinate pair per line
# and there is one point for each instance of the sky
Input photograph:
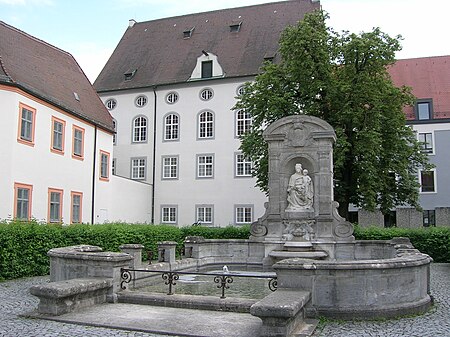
x,y
91,29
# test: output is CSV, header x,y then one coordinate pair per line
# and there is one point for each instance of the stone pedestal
x,y
135,250
166,251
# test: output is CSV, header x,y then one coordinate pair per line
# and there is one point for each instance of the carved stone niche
x,y
308,141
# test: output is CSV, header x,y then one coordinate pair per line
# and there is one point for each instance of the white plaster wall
x,y
38,166
131,201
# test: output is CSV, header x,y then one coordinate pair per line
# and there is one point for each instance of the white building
x,y
56,139
170,86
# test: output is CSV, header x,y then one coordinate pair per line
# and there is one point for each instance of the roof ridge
x,y
220,10
35,38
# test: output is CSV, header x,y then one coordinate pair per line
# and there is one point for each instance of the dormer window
x,y
424,109
235,27
188,33
207,69
130,74
269,56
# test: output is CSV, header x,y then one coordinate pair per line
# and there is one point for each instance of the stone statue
x,y
300,190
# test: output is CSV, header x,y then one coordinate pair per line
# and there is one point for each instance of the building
x,y
170,86
56,138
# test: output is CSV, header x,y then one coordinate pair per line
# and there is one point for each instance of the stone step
x,y
283,254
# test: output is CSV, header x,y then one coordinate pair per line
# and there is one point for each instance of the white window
x,y
243,166
170,167
138,168
104,165
27,124
426,142
22,203
171,127
206,124
140,129
111,104
240,90
428,181
243,122
140,101
76,207
244,214
58,127
55,205
172,97
169,214
78,142
206,94
205,166
204,214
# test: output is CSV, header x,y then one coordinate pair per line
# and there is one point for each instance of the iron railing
x,y
223,280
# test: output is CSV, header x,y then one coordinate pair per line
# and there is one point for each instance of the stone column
x,y
135,250
166,251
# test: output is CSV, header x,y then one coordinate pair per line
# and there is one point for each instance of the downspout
x,y
94,175
154,155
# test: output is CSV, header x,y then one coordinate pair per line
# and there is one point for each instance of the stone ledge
x,y
284,303
71,287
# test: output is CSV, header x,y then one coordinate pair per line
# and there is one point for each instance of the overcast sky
x,y
91,29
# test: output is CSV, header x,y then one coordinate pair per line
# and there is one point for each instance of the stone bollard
x,y
166,251
135,250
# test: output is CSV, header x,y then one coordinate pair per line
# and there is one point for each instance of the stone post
x,y
166,251
135,250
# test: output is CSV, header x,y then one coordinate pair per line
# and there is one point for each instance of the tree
x,y
343,79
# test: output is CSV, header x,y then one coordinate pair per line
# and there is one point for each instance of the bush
x,y
434,241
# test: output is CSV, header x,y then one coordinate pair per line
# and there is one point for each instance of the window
x,y
140,129
169,214
243,166
240,90
427,181
424,109
76,207
55,205
58,127
244,215
243,122
170,167
22,201
138,168
78,142
206,124
27,117
429,218
172,97
141,101
235,27
205,166
206,94
171,127
426,140
390,219
188,33
111,104
207,67
104,165
115,132
130,74
204,214
113,166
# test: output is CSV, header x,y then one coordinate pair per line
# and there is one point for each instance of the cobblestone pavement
x,y
15,300
434,323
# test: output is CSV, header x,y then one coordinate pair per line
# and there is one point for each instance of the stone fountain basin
x,y
372,288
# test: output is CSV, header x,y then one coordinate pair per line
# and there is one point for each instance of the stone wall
x,y
443,216
409,218
367,219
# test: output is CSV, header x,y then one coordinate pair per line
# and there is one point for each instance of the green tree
x,y
343,79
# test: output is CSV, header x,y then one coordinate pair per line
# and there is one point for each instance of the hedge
x,y
24,246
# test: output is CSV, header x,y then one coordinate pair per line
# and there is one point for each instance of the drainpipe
x,y
154,155
94,176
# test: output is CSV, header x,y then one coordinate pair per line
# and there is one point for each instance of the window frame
x,y
204,207
163,166
426,149
246,121
208,96
21,138
138,101
429,214
55,133
139,140
236,213
418,102
111,104
104,177
76,129
433,171
74,194
198,164
244,163
172,127
59,192
172,97
203,126
138,167
206,69
169,221
29,188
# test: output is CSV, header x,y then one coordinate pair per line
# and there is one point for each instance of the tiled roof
x,y
50,74
429,77
162,55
